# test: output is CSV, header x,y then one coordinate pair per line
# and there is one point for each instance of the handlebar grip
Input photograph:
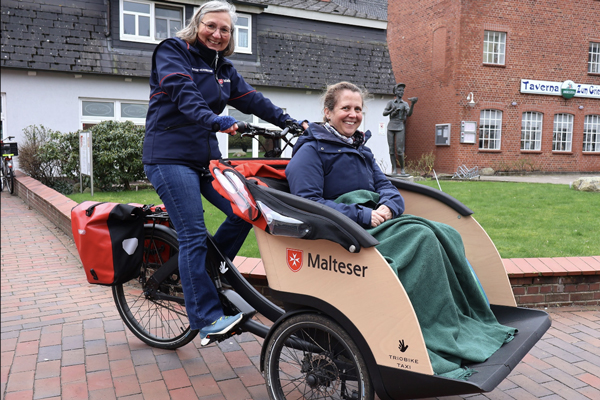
x,y
216,127
242,127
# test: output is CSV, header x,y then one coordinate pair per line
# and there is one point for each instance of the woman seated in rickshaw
x,y
331,165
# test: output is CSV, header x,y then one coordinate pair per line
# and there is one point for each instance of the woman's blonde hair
x,y
331,95
190,32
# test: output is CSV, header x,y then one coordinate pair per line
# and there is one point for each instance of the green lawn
x,y
532,219
523,219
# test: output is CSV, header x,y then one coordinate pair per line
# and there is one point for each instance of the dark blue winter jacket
x,y
323,167
190,85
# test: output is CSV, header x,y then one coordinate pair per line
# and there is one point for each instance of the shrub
x,y
423,166
239,142
53,157
117,154
518,165
33,158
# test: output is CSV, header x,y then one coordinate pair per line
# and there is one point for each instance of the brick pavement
x,y
63,339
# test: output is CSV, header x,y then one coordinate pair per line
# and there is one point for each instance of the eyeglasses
x,y
211,28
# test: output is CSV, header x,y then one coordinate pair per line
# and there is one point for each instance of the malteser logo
x,y
294,259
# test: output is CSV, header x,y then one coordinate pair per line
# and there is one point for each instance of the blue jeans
x,y
180,188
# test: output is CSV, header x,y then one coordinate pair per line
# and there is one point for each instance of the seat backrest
x,y
277,184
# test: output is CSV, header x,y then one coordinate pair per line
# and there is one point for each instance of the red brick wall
x,y
436,48
50,203
556,291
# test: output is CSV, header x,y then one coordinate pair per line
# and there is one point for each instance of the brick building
x,y
500,68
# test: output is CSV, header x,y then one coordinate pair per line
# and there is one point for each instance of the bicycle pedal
x,y
218,338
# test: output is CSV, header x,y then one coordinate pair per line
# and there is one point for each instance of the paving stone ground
x,y
63,339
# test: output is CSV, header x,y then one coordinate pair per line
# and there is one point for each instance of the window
x,y
591,133
563,132
243,37
95,111
494,47
531,131
490,129
143,21
594,60
2,115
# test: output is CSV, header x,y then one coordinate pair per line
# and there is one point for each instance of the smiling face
x,y
212,28
346,115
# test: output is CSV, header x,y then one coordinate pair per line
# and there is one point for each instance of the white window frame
x,y
591,133
490,138
151,15
3,114
531,130
594,59
562,136
238,48
494,47
117,106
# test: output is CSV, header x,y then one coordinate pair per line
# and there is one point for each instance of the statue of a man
x,y
398,110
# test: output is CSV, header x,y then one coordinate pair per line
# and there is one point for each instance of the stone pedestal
x,y
405,177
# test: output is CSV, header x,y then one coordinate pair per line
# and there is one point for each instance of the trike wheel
x,y
310,356
10,181
157,322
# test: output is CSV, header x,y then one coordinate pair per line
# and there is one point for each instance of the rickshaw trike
x,y
342,323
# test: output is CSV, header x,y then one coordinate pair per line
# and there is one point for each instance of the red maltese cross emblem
x,y
294,259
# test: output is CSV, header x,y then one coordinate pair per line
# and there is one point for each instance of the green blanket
x,y
429,258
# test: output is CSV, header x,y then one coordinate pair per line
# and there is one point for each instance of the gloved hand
x,y
296,125
224,122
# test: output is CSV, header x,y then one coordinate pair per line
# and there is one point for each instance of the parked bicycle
x,y
9,150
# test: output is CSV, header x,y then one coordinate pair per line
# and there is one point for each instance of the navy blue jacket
x,y
323,168
190,85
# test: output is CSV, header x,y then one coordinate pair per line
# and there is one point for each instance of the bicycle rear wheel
x,y
157,322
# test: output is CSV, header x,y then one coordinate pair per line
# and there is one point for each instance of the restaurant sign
x,y
566,89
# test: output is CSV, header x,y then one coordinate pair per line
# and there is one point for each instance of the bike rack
x,y
463,172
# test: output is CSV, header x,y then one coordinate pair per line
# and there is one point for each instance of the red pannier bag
x,y
109,238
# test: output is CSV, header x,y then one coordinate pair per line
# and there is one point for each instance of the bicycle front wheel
x,y
158,322
10,180
309,356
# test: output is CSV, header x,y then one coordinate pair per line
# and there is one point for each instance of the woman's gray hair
x,y
190,32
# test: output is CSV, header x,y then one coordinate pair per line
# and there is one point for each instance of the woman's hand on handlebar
x,y
225,124
232,130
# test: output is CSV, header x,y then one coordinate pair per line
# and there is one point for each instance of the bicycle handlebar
x,y
246,129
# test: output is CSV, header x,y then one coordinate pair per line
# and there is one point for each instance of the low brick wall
x,y
50,203
556,291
